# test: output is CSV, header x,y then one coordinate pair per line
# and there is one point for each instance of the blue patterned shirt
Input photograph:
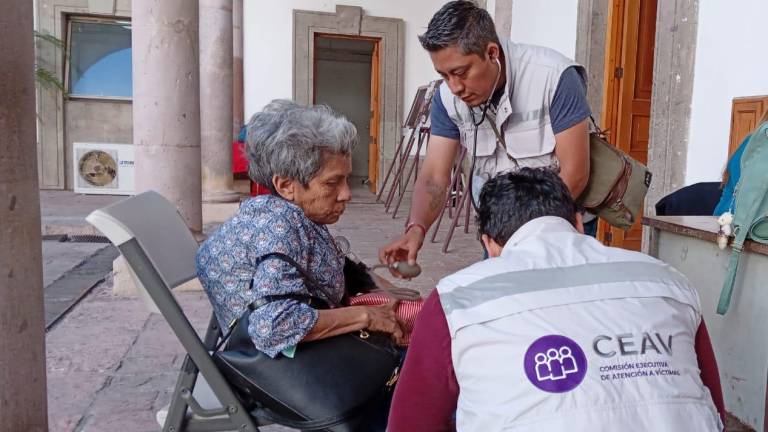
x,y
229,260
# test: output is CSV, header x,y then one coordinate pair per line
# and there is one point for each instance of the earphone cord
x,y
477,125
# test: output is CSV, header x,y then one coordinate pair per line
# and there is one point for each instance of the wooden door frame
x,y
621,63
673,65
350,20
374,131
614,47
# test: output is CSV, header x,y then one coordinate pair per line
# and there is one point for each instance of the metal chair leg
x,y
177,411
398,149
455,219
410,171
455,179
398,178
468,212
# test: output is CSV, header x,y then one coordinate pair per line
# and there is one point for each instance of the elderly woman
x,y
303,155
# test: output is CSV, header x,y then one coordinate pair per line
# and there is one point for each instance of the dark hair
x,y
511,199
460,23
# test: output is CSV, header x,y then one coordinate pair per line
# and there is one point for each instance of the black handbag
x,y
331,384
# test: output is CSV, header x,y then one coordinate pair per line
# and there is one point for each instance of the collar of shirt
x,y
544,224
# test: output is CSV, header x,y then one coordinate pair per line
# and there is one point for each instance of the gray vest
x,y
522,118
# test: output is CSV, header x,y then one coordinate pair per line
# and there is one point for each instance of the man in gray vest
x,y
556,332
511,105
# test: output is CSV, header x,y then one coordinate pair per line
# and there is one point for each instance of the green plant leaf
x,y
48,79
53,40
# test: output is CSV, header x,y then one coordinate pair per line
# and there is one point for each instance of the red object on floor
x,y
239,162
240,168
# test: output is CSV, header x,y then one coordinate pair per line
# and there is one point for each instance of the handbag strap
x,y
597,130
310,425
261,301
308,278
252,306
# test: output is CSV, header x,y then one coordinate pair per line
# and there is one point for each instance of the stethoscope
x,y
477,126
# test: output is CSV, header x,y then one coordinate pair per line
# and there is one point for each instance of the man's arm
x,y
569,113
710,375
431,187
428,197
572,150
427,391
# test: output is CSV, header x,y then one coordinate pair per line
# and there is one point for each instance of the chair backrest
x,y
157,227
160,251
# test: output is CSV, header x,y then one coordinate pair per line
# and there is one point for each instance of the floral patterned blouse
x,y
229,260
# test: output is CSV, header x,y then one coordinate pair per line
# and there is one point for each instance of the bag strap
x,y
597,128
395,293
308,278
730,278
261,301
310,425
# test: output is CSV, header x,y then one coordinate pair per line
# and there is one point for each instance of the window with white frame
x,y
99,58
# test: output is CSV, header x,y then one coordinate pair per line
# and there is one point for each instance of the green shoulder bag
x,y
617,183
750,214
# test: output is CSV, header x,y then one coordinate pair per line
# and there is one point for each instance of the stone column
x,y
166,103
23,405
216,100
502,16
238,106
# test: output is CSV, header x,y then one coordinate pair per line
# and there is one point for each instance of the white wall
x,y
731,61
268,44
549,23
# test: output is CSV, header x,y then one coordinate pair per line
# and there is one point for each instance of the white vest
x,y
533,73
561,333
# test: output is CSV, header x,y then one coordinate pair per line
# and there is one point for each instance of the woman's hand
x,y
383,318
333,322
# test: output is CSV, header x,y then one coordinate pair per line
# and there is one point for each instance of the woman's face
x,y
325,197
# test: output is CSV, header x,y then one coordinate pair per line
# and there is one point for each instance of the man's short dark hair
x,y
511,199
460,23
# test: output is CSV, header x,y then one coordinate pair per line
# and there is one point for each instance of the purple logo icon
x,y
555,364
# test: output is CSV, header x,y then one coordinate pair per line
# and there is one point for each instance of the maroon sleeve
x,y
710,376
426,393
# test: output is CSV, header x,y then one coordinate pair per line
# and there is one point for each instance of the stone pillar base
x,y
226,196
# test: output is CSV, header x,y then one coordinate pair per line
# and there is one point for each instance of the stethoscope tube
x,y
477,125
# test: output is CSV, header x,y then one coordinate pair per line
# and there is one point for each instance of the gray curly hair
x,y
289,140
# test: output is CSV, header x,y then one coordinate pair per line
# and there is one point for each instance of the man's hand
x,y
404,248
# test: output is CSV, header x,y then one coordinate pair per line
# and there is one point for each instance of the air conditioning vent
x,y
103,168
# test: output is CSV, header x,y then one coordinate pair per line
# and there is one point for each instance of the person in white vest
x,y
511,105
556,332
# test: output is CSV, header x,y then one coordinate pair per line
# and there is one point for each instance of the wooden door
x,y
745,114
629,84
373,146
